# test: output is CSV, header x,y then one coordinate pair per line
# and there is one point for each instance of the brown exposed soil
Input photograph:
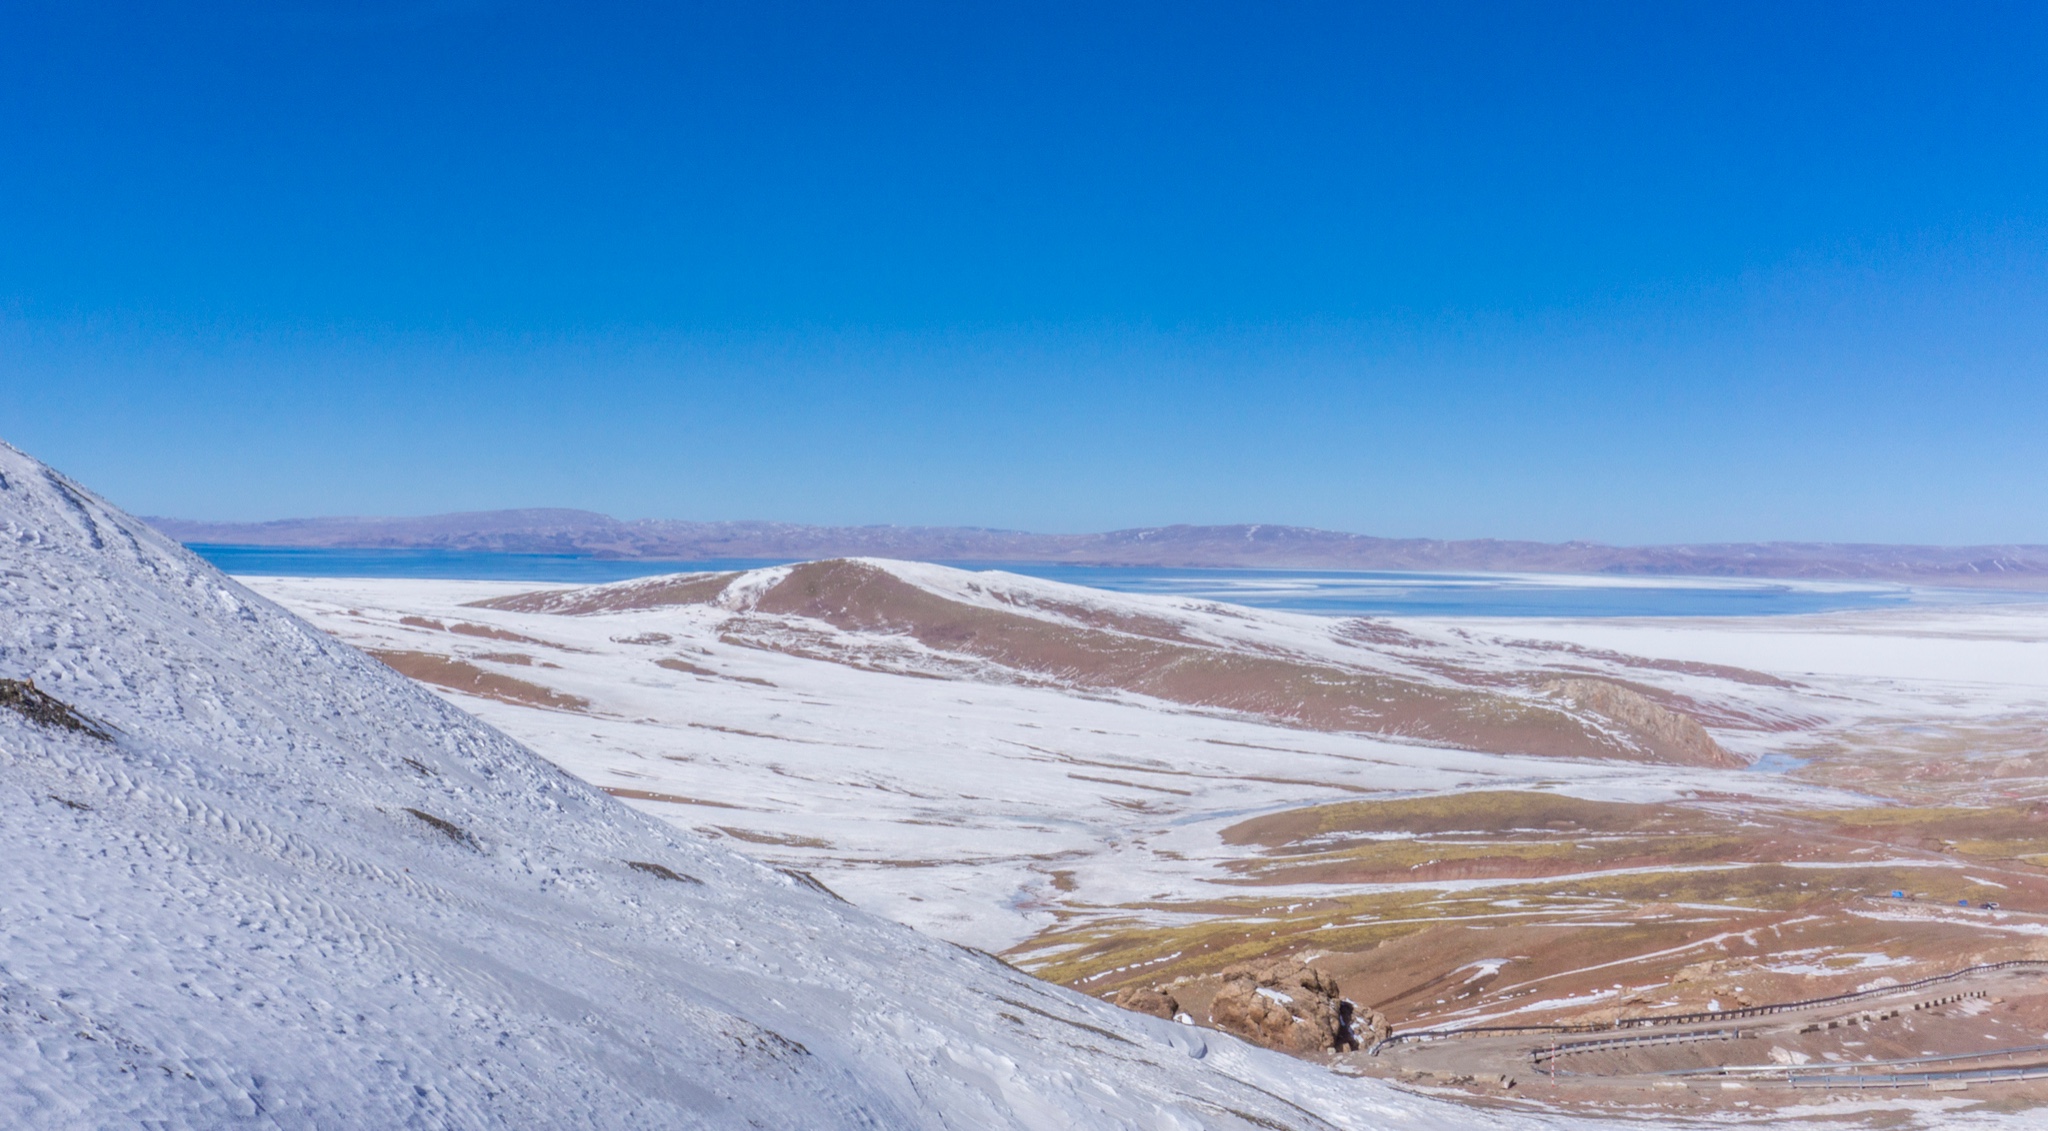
x,y
687,668
462,628
519,659
662,872
1118,620
465,628
1592,913
459,675
688,589
667,798
857,597
777,839
445,827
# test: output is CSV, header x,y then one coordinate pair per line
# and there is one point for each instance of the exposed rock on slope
x,y
1668,735
291,888
1280,1004
1147,999
22,697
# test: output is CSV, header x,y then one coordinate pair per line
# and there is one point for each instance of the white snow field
x,y
291,888
986,806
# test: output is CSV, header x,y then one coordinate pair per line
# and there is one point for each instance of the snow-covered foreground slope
x,y
294,889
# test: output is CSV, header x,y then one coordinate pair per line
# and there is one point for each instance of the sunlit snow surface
x,y
957,805
977,809
228,916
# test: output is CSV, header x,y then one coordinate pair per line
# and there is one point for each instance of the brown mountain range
x,y
558,531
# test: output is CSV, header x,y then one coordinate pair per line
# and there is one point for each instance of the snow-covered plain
x,y
982,807
976,809
293,889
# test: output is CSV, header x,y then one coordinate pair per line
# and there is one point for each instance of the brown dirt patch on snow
x,y
459,675
625,596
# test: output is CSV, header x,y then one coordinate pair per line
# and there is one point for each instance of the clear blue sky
x,y
1633,272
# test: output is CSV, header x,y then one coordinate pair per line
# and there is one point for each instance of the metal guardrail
x,y
1909,1079
1706,1017
1856,1067
1831,999
1569,1048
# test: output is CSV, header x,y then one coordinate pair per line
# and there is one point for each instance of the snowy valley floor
x,y
1001,762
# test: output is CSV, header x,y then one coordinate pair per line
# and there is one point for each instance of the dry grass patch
x,y
1493,812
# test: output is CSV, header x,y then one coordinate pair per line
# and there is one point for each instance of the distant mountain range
x,y
558,531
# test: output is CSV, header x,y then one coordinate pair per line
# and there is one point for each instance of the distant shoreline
x,y
585,534
1336,593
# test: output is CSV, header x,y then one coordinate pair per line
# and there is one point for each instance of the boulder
x,y
1288,1005
1150,999
1368,1026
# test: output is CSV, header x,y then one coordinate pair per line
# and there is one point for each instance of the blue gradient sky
x,y
1630,272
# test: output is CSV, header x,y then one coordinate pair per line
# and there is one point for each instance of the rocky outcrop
x,y
25,699
1663,734
1286,1004
1151,999
1368,1027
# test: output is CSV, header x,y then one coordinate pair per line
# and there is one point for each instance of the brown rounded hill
x,y
1085,648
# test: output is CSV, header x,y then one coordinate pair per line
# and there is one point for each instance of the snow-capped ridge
x,y
294,889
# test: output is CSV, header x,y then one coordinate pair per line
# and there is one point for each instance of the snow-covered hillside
x,y
292,888
983,802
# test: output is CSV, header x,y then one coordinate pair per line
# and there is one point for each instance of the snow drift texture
x,y
292,889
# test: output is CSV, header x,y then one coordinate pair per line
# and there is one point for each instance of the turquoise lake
x,y
1323,592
